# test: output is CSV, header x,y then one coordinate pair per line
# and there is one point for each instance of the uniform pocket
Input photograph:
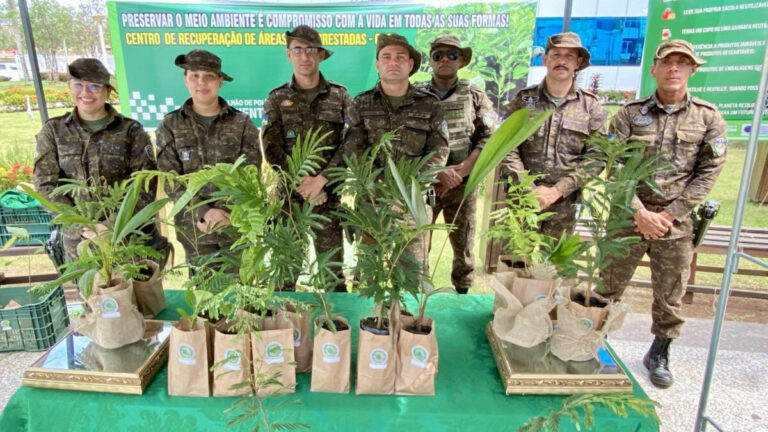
x,y
71,157
687,148
414,138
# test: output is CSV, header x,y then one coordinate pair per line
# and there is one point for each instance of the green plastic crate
x,y
37,324
35,220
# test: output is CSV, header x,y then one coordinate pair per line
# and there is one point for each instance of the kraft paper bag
x,y
376,365
332,360
581,330
522,315
273,359
417,358
150,297
525,289
301,321
232,361
113,320
188,365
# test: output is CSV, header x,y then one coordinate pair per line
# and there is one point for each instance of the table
x,y
469,396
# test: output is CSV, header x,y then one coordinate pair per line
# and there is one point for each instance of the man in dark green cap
x,y
394,104
204,131
471,121
309,102
91,142
557,149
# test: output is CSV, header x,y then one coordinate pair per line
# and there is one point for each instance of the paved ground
x,y
738,394
738,397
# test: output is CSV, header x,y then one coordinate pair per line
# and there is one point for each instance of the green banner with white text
x,y
250,38
731,36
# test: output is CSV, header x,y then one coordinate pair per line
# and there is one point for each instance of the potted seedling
x,y
387,269
271,248
332,348
109,257
583,322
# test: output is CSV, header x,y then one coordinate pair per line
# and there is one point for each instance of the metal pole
x,y
732,260
567,15
25,22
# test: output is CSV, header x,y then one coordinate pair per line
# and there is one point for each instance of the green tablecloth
x,y
469,392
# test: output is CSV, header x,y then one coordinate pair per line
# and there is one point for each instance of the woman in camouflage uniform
x,y
91,142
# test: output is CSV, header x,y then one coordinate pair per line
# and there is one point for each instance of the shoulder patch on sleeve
x,y
150,152
719,145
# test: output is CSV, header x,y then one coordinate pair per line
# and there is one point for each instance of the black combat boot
x,y
657,362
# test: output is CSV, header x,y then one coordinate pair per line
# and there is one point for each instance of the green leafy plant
x,y
256,410
577,406
515,129
517,222
608,200
387,207
108,211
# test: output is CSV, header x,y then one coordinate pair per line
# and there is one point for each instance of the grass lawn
x,y
18,133
46,84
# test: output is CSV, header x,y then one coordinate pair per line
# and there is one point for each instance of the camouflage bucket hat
x,y
453,41
201,60
395,39
308,35
89,69
569,40
678,46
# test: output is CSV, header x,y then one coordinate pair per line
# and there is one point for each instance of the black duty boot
x,y
657,362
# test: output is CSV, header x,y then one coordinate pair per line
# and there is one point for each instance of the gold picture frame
x,y
76,363
536,371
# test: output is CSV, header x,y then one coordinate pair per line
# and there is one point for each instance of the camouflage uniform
x,y
288,116
422,130
470,118
692,139
557,149
66,149
185,146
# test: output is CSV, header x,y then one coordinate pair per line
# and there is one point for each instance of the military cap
x,y
678,46
199,59
569,40
452,40
386,39
89,69
308,35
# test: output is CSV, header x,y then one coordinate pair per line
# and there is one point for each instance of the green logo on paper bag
x,y
420,353
587,324
274,353
186,354
330,349
109,308
419,356
378,359
233,359
331,352
296,337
